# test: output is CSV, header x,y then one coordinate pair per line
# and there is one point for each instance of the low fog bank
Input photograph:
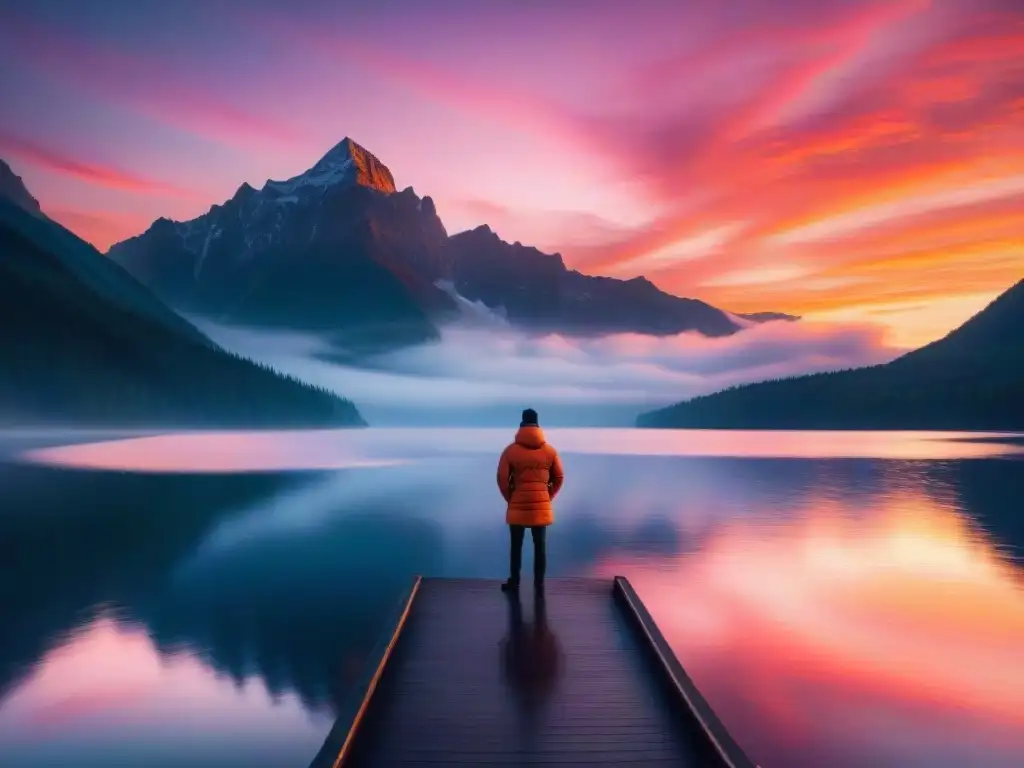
x,y
14,440
482,372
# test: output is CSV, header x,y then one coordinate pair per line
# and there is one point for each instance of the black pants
x,y
540,552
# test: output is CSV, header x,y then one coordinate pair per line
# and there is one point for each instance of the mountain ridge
x,y
971,379
291,254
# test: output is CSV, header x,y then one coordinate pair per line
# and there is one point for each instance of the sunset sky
x,y
847,161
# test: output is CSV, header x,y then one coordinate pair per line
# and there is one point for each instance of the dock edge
x,y
730,753
337,747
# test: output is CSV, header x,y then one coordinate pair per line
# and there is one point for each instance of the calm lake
x,y
842,599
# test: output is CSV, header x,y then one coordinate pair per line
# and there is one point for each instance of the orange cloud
x,y
858,134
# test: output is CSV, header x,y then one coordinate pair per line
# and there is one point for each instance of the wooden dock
x,y
472,676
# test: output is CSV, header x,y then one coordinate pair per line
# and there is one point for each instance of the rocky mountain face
x,y
13,189
339,249
333,249
538,291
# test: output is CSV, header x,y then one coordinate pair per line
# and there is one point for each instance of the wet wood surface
x,y
479,677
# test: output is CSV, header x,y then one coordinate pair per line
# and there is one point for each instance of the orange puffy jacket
x,y
529,477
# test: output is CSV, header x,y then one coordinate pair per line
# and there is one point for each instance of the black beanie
x,y
529,418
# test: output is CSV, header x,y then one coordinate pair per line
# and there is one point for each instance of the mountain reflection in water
x,y
835,611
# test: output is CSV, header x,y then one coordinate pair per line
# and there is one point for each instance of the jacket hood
x,y
530,437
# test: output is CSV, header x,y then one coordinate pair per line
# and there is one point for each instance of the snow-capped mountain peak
x,y
346,163
338,155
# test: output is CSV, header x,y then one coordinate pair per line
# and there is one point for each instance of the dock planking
x,y
472,676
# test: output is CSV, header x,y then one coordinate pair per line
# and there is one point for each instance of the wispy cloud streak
x,y
101,175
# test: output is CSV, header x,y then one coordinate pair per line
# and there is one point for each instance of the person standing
x,y
529,477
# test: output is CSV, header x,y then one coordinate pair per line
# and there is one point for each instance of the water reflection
x,y
73,543
301,611
121,614
531,660
852,636
106,699
836,612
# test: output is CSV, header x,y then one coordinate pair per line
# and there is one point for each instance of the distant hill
x,y
339,250
84,343
973,379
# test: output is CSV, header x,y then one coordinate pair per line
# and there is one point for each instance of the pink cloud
x,y
106,176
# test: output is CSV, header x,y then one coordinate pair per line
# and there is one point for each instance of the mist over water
x,y
317,450
483,371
